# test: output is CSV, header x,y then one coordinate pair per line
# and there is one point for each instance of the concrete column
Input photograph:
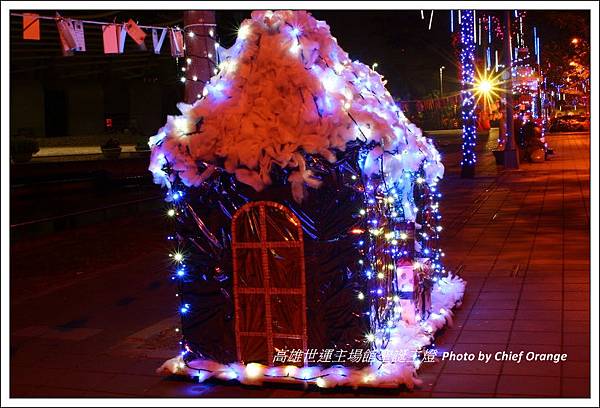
x,y
200,52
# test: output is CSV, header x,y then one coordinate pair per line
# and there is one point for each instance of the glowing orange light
x,y
487,87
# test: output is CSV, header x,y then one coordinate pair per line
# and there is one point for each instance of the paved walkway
x,y
523,245
99,321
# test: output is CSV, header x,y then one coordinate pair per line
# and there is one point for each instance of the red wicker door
x,y
268,281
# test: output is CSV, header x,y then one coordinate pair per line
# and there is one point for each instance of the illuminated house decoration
x,y
306,217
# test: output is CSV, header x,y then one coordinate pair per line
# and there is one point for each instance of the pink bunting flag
x,y
109,37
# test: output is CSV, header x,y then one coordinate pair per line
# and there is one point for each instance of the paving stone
x,y
577,315
484,336
466,383
496,304
493,325
472,367
537,325
492,314
460,395
529,385
575,388
576,369
576,326
533,338
577,353
526,304
532,368
552,315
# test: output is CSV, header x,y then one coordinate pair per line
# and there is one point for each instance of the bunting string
x,y
114,34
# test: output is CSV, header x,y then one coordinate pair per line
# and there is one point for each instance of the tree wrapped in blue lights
x,y
469,118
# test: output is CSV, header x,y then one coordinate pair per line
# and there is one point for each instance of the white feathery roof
x,y
285,87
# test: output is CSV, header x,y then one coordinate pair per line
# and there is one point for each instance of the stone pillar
x,y
200,52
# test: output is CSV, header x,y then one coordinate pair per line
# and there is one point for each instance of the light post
x,y
442,80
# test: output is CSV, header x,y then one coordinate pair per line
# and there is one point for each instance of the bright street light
x,y
487,86
484,86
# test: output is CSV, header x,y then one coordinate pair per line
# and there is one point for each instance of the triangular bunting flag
x,y
156,41
122,33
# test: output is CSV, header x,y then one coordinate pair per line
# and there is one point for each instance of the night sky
x,y
408,53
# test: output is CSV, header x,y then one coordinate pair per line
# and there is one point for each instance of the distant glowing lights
x,y
487,87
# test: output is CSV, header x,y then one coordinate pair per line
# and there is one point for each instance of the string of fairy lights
x,y
393,248
400,259
206,33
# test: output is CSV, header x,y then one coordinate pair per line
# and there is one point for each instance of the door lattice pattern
x,y
269,281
